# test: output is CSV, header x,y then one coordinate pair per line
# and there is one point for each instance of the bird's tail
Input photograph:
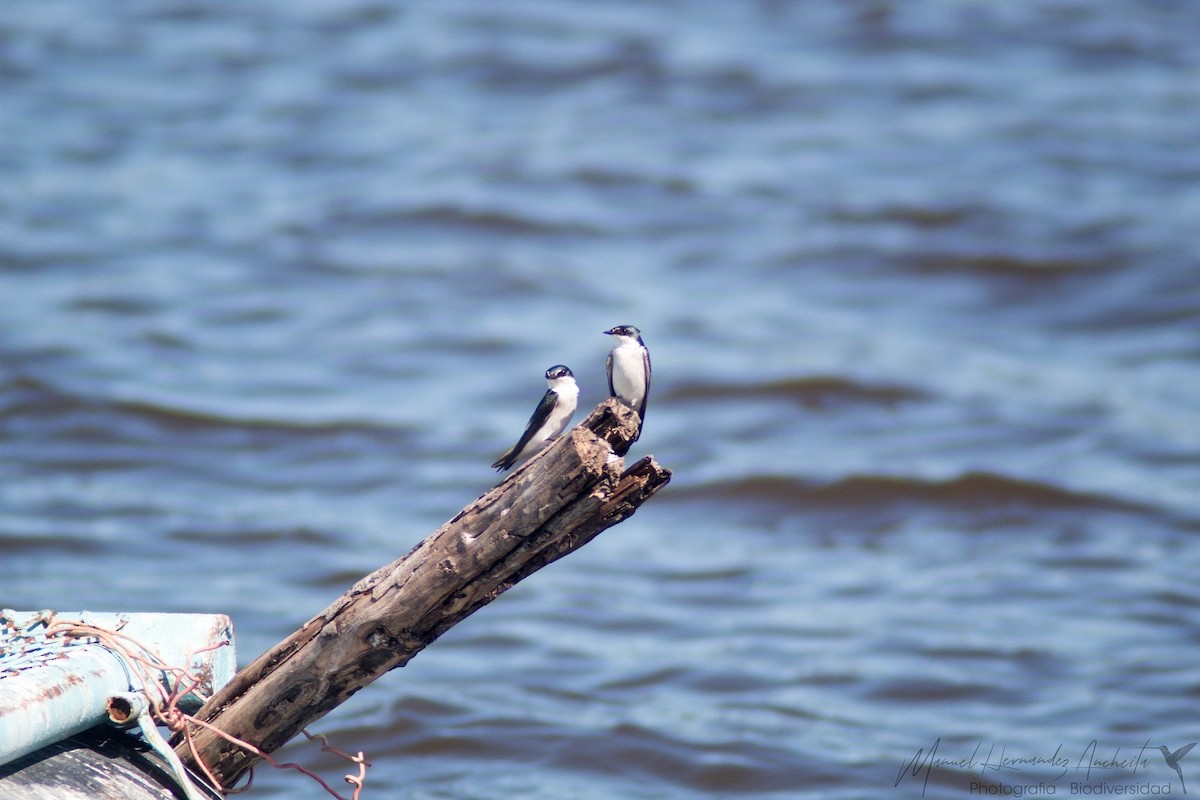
x,y
505,461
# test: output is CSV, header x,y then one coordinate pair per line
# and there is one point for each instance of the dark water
x,y
921,282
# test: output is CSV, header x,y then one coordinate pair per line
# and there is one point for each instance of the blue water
x,y
922,289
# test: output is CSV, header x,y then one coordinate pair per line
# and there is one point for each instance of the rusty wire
x,y
164,704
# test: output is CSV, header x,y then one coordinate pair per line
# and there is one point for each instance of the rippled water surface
x,y
921,283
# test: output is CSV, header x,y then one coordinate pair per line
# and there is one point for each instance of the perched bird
x,y
549,419
629,368
1173,760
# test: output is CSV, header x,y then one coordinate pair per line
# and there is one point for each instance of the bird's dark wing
x,y
505,461
608,368
646,395
539,417
1183,751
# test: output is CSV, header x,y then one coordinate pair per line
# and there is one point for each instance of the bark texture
x,y
558,501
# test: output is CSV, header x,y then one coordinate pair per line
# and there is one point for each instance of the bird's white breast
x,y
629,373
568,397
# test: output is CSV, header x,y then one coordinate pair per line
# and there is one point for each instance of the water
x,y
920,281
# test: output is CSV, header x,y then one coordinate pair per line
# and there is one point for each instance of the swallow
x,y
628,369
549,419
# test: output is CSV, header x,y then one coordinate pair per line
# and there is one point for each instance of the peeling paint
x,y
53,686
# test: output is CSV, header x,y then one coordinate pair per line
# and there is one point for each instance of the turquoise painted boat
x,y
77,692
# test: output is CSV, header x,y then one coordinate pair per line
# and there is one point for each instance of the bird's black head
x,y
624,330
559,371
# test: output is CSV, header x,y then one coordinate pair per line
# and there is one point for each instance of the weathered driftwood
x,y
560,500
